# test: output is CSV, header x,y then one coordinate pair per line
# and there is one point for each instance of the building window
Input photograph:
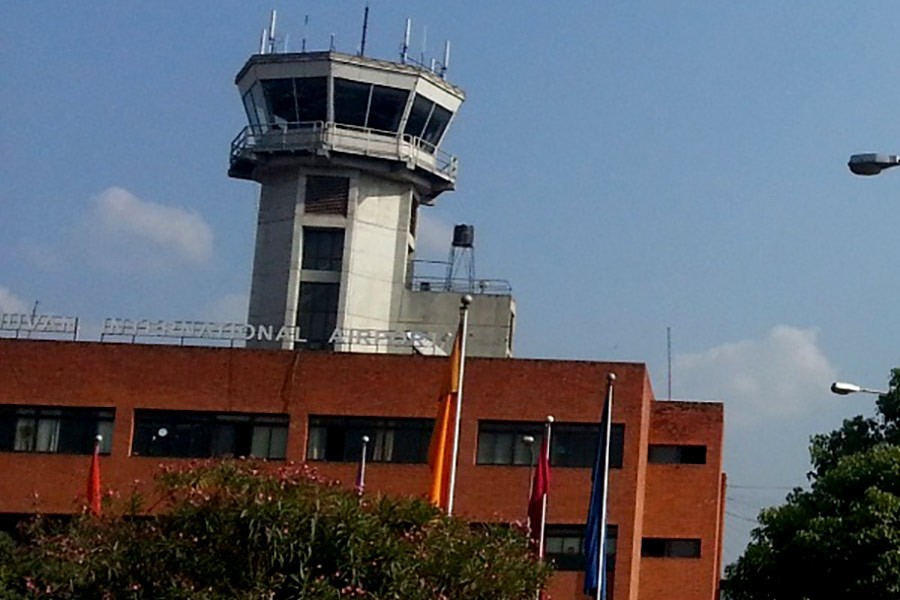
x,y
367,105
572,444
323,249
662,454
326,195
670,548
339,439
186,434
318,312
294,101
427,121
564,546
61,430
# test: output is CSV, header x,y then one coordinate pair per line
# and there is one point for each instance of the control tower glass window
x,y
427,121
368,105
318,312
323,248
294,101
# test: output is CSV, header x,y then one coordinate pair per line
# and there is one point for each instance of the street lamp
x,y
872,163
842,388
528,440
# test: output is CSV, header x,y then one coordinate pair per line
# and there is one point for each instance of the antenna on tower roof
x,y
303,41
272,33
362,44
404,49
263,39
446,64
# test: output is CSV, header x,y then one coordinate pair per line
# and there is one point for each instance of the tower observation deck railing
x,y
325,136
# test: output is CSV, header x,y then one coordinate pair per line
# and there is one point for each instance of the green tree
x,y
241,530
841,537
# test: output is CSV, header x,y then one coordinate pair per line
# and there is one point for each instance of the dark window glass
x,y
326,195
250,108
663,454
386,108
501,443
351,102
280,100
564,546
440,117
188,434
339,439
61,430
323,249
670,548
318,312
575,445
418,116
572,444
312,98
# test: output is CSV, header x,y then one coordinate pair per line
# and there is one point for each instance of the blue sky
x,y
629,166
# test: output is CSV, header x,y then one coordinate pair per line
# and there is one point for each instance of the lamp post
x,y
842,388
872,163
528,440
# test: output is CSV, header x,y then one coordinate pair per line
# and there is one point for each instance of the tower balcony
x,y
257,145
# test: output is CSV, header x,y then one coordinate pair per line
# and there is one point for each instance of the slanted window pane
x,y
280,100
351,102
440,117
418,116
312,97
386,109
250,109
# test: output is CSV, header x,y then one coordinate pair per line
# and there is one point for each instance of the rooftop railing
x,y
325,136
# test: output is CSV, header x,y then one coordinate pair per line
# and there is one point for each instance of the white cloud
x,y
784,374
230,308
9,303
138,232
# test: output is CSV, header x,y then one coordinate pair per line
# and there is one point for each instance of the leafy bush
x,y
244,530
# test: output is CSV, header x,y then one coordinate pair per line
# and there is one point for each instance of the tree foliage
x,y
841,537
235,530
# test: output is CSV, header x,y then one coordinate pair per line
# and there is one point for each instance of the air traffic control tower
x,y
347,149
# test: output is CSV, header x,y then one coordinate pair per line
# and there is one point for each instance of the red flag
x,y
93,482
539,488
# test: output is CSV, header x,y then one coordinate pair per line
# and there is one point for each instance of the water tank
x,y
463,236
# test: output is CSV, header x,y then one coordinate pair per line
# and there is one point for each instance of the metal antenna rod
x,y
446,63
272,32
404,50
303,41
362,45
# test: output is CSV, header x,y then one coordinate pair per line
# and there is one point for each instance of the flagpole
x,y
464,303
607,436
547,432
361,476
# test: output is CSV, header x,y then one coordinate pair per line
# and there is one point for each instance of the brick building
x,y
155,402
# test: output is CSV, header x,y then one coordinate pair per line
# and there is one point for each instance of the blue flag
x,y
594,546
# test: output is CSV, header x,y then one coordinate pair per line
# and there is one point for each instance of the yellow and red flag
x,y
440,450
